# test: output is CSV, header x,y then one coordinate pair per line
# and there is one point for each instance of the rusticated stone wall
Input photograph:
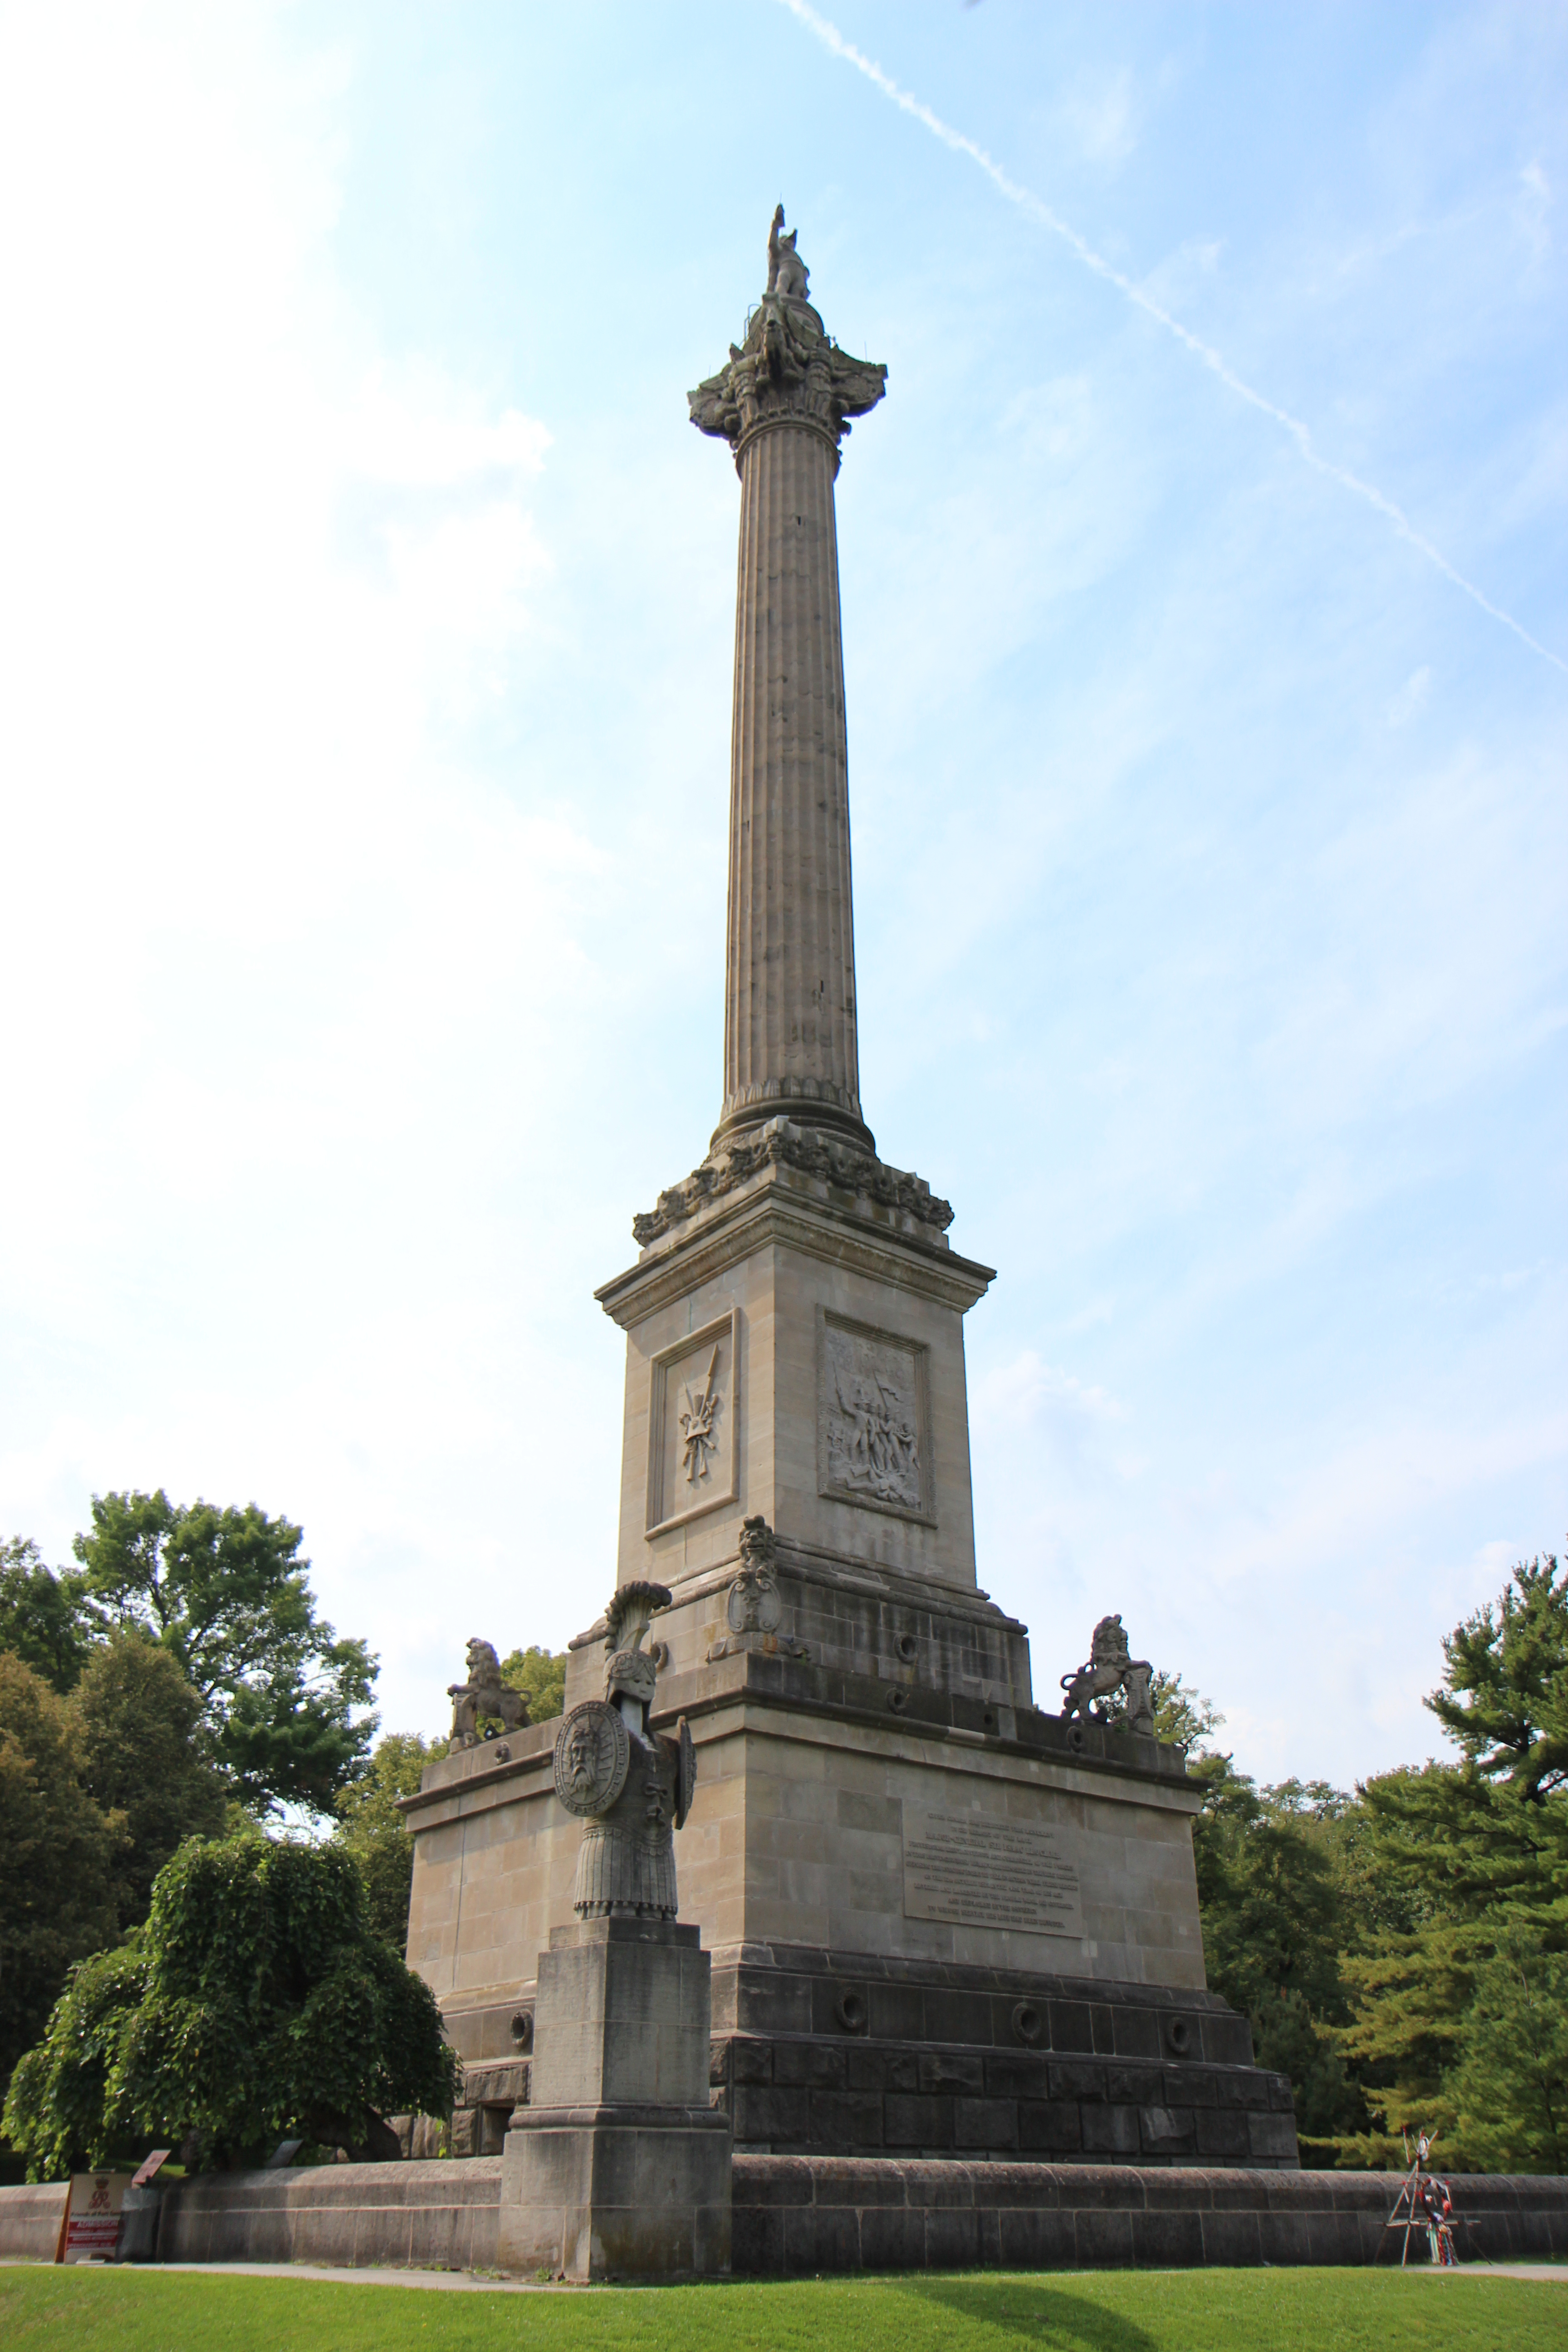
x,y
795,2215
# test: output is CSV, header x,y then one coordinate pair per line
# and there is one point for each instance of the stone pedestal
x,y
620,2168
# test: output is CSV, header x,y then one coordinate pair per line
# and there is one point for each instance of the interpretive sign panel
x,y
92,2217
983,1872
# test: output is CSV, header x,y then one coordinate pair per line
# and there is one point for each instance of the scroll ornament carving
x,y
780,1144
788,369
631,1786
1110,1667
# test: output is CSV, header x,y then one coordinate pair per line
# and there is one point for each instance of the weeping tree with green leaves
x,y
257,2003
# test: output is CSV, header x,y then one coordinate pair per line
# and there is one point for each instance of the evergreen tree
x,y
1473,1861
1509,2091
1504,1700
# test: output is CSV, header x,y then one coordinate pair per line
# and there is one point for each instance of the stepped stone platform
x,y
816,2052
810,2215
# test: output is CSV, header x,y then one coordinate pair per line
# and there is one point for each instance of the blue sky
x,y
367,603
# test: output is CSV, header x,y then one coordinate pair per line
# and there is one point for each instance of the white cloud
x,y
1101,115
1411,697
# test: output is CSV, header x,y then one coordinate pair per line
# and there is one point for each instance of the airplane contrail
x,y
1036,209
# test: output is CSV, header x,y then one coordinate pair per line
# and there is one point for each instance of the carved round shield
x,y
592,1751
685,1771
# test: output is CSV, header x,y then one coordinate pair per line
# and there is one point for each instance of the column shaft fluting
x,y
789,998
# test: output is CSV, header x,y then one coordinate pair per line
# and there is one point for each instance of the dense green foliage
x,y
132,2310
1454,1989
370,1830
256,2001
541,1676
140,1756
1273,1871
1403,1953
227,1594
178,1674
59,1852
46,1620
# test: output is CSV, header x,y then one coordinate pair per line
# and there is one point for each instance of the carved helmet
x,y
628,1667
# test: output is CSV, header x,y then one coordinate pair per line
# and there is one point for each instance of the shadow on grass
x,y
1032,2312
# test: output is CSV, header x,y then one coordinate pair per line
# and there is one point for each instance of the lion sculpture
x,y
1110,1667
484,1694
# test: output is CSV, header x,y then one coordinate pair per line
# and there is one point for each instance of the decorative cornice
x,y
789,370
780,1207
779,1143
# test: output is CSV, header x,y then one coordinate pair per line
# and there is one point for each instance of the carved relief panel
x,y
873,1419
693,1424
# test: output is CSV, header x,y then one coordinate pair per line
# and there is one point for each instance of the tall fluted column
x,y
790,1042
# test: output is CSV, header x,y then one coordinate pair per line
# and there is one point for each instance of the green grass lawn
x,y
1100,2311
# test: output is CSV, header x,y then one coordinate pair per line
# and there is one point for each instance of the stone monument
x,y
941,1920
618,2165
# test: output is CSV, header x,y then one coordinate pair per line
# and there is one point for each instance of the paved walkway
x,y
1555,2272
472,2283
475,2283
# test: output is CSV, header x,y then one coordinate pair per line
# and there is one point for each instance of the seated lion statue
x,y
1112,1666
484,1694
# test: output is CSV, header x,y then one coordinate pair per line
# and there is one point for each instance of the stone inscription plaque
x,y
980,1873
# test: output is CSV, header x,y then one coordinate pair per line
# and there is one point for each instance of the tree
x,y
1275,1921
58,1853
255,2002
1472,1859
541,1676
1509,2088
44,1619
372,1833
227,1594
1505,1696
1182,1717
141,1756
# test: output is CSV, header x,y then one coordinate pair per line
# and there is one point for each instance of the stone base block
x,y
596,2192
622,2016
817,2052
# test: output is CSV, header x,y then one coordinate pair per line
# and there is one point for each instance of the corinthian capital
x,y
788,370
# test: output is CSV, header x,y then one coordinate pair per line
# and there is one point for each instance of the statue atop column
x,y
787,273
789,368
631,1787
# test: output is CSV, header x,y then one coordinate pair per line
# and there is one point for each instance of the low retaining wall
x,y
439,2215
30,2221
809,2214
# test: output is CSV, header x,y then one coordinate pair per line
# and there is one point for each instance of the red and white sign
x,y
91,2228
